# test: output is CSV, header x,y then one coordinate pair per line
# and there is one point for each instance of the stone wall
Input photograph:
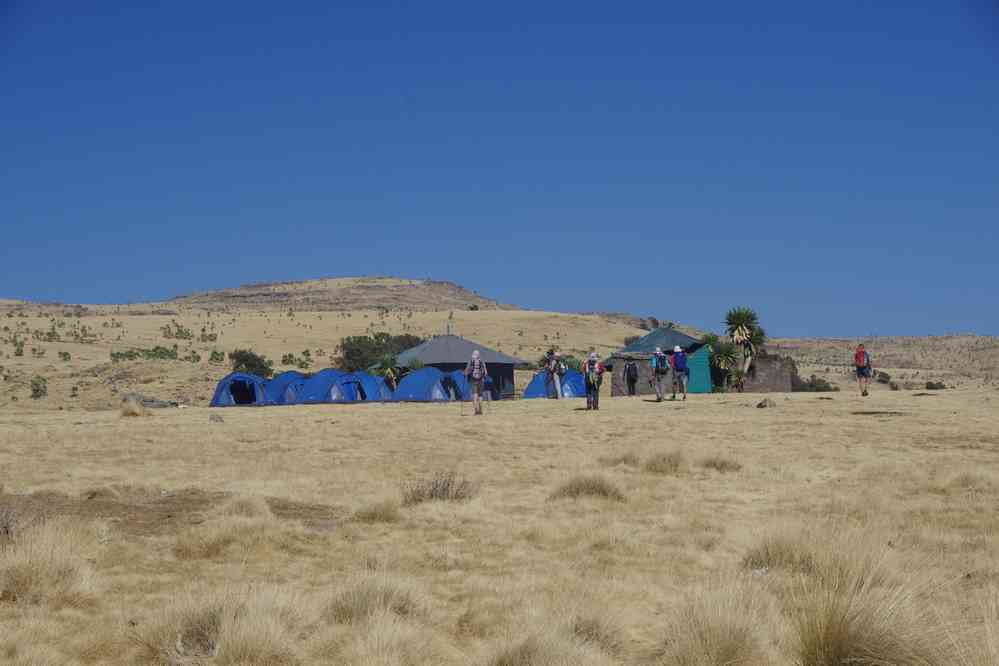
x,y
618,384
771,374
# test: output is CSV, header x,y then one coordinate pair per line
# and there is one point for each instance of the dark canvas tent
x,y
239,388
284,389
573,385
423,385
640,351
448,353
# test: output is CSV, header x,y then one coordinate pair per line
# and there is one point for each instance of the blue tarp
x,y
284,389
239,389
573,385
423,385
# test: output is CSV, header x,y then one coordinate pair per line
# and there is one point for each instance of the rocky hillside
x,y
331,294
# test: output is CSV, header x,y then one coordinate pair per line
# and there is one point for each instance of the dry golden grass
x,y
440,487
721,464
821,535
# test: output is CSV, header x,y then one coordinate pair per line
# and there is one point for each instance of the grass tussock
x,y
9,521
855,621
442,487
214,538
588,486
223,628
782,551
385,511
629,459
721,464
714,626
598,629
47,564
375,593
247,507
386,639
547,648
131,407
664,463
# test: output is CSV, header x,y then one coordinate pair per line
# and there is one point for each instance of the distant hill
x,y
334,294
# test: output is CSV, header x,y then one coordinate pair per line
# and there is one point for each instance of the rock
x,y
215,418
882,377
147,402
894,386
935,386
765,403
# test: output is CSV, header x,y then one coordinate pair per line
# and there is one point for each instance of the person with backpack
x,y
553,380
593,375
864,367
631,376
660,368
681,372
476,373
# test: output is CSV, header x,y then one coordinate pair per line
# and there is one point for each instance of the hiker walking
x,y
631,376
660,368
681,372
862,362
476,373
593,374
553,383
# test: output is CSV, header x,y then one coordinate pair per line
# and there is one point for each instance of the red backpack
x,y
860,358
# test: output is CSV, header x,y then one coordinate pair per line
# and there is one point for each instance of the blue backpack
x,y
680,361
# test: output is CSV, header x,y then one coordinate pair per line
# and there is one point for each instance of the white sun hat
x,y
677,349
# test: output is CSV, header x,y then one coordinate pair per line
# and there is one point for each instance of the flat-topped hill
x,y
348,293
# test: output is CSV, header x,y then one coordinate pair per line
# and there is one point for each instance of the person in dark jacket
x,y
631,376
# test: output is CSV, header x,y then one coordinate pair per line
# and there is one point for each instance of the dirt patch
x,y
153,512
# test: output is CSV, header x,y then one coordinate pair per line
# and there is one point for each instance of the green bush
x,y
244,360
174,330
216,357
157,353
360,352
39,387
65,356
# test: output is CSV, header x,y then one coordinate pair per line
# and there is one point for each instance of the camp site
x,y
499,334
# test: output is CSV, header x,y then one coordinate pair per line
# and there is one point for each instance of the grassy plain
x,y
280,536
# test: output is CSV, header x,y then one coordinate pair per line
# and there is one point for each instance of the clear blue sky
x,y
835,165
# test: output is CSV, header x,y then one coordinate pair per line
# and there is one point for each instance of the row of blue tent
x,y
335,386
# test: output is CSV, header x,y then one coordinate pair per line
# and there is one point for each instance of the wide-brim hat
x,y
677,349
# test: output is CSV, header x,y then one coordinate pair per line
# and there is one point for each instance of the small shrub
x,y
721,464
132,407
216,357
447,487
39,387
65,356
386,511
244,360
588,486
372,594
664,463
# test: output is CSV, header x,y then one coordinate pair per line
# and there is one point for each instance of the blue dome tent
x,y
374,388
423,385
462,391
239,388
328,386
284,389
573,385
